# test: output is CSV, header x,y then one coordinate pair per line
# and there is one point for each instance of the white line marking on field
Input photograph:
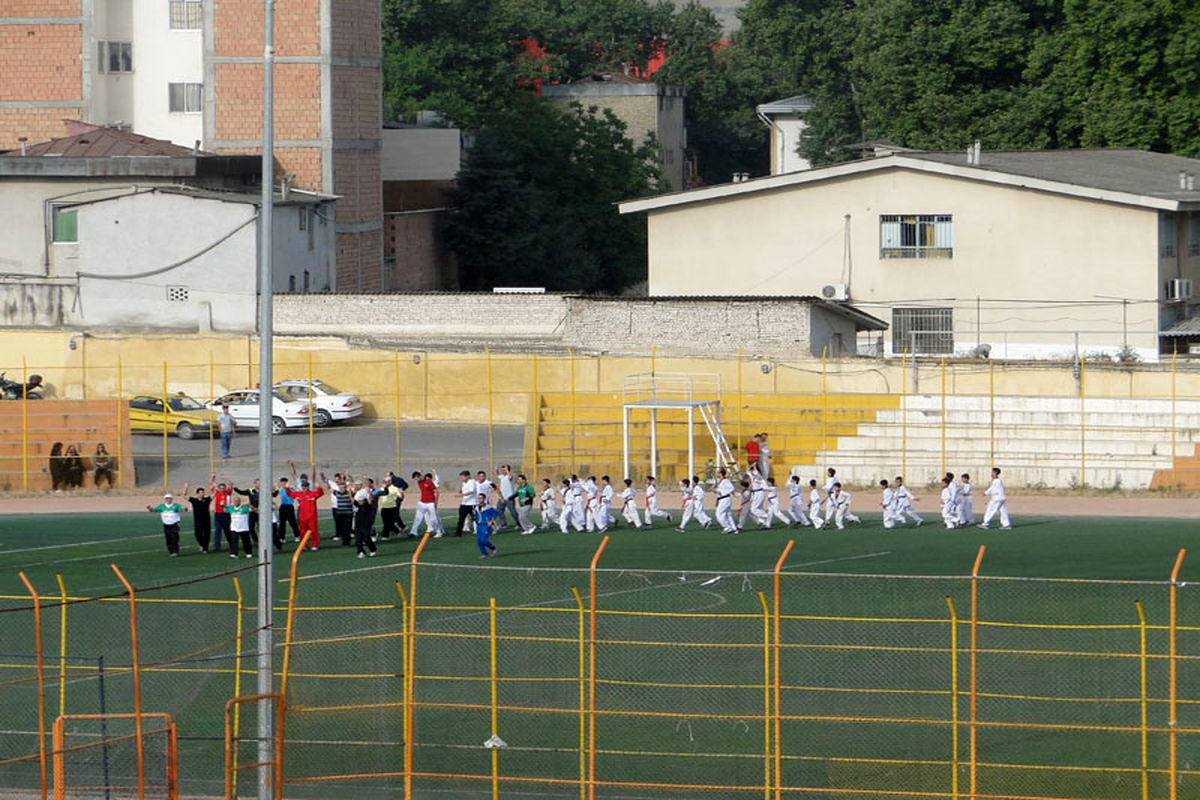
x,y
79,544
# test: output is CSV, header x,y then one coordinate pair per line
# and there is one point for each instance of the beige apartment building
x,y
1031,254
190,72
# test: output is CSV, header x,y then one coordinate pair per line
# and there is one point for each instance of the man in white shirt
x,y
629,509
904,501
508,492
468,499
591,504
997,503
652,509
724,511
796,502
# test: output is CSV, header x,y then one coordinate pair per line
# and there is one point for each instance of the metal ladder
x,y
712,421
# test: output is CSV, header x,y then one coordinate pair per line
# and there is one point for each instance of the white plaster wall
x,y
420,154
161,56
148,231
292,254
785,137
1026,248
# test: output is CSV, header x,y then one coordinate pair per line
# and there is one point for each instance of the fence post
x,y
1172,718
992,412
592,670
120,425
41,690
403,660
312,445
25,426
1142,699
62,646
287,662
1174,429
762,598
495,698
943,431
1082,426
974,665
953,698
412,661
824,406
212,440
740,403
582,695
237,682
137,686
777,687
904,414
574,455
166,409
487,354
399,470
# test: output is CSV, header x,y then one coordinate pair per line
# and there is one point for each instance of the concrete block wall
x,y
41,68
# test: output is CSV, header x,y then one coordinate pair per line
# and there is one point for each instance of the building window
x,y
186,15
114,57
186,97
306,280
291,283
922,330
1194,234
1166,236
64,225
916,236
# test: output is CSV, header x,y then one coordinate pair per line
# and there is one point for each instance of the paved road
x,y
363,447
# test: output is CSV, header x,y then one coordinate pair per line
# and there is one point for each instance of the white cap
x,y
168,496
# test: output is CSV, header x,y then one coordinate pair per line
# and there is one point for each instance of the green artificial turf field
x,y
866,664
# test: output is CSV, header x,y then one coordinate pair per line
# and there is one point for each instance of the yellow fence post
x,y
943,430
409,678
591,776
24,426
41,687
741,403
166,409
120,416
305,537
992,413
487,353
824,405
582,696
762,598
571,356
237,681
974,665
953,698
137,686
777,685
62,645
1142,700
495,699
399,469
1173,683
312,445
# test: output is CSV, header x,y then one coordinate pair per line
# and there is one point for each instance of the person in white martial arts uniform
x,y
548,504
830,480
652,509
604,511
746,510
997,503
888,502
764,456
966,504
814,504
841,507
591,503
949,505
572,511
773,510
629,509
955,497
796,502
693,494
758,495
724,512
904,501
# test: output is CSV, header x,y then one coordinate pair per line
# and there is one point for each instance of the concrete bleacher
x,y
1037,441
83,423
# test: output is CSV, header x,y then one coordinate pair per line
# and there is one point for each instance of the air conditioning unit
x,y
1179,289
835,291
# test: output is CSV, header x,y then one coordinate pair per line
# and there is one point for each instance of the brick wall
x,y
238,28
40,62
297,101
420,262
41,8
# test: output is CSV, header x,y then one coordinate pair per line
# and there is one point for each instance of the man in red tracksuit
x,y
305,499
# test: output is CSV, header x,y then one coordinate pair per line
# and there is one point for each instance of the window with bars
x,y
916,236
185,97
1166,236
1194,234
187,15
114,57
922,330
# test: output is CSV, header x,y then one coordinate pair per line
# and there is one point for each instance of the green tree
x,y
536,202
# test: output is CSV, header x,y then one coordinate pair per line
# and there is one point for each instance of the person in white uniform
x,y
796,502
758,496
814,504
764,456
955,497
693,500
774,512
830,481
841,507
966,504
591,504
746,510
629,509
997,503
572,513
652,509
949,505
888,502
548,504
724,512
604,511
904,501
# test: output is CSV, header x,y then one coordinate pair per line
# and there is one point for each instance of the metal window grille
x,y
1194,237
923,330
187,14
177,294
1166,236
916,236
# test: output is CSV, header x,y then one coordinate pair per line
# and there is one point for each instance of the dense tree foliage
x,y
535,204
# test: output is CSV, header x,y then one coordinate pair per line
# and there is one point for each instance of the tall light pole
x,y
266,595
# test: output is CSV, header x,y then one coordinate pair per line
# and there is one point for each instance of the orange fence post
x,y
231,767
1172,718
287,662
974,654
403,660
778,686
59,742
762,598
1142,700
592,670
410,682
137,686
953,698
41,688
582,696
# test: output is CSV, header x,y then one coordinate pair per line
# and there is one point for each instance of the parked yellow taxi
x,y
185,417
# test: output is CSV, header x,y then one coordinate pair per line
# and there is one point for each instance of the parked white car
x,y
243,407
329,404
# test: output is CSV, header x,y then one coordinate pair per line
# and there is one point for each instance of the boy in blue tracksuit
x,y
486,519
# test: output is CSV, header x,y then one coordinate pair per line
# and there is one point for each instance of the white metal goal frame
x,y
694,394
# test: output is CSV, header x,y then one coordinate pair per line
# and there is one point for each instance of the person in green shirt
x,y
239,526
168,511
524,500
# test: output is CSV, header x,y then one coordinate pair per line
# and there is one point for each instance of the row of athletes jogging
x,y
486,505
